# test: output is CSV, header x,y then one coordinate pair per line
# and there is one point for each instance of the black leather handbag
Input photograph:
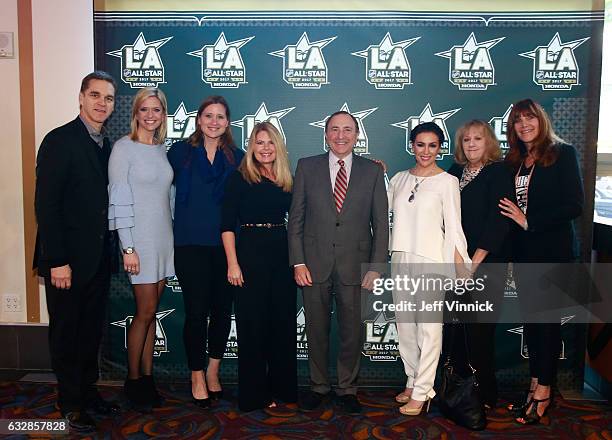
x,y
458,396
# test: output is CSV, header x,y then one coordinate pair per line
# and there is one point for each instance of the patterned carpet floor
x,y
179,419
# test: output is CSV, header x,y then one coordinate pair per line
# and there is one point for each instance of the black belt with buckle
x,y
263,225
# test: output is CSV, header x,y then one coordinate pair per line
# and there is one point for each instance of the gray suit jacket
x,y
320,237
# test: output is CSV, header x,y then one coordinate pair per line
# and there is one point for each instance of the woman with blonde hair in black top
x,y
483,181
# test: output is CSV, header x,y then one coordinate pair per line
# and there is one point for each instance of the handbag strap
x,y
448,361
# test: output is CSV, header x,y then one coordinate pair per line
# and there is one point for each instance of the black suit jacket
x,y
555,199
71,203
483,225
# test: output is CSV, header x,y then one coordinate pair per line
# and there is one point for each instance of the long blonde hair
x,y
250,168
160,134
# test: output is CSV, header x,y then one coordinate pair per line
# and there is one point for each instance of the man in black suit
x,y
73,247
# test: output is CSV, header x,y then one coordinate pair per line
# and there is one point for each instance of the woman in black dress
x,y
257,199
483,181
550,195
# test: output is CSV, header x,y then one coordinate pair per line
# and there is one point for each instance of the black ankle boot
x,y
134,391
150,391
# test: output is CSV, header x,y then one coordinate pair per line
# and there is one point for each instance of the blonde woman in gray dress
x,y
139,193
426,240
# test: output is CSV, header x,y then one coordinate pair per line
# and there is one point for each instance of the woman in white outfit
x,y
426,206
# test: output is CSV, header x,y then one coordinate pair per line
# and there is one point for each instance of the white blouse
x,y
430,225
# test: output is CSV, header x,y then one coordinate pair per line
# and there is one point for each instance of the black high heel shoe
x,y
532,417
518,408
215,395
202,403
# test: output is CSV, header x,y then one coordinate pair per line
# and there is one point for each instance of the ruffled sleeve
x,y
121,200
453,232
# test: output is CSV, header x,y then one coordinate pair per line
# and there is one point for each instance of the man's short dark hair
x,y
97,74
427,127
342,112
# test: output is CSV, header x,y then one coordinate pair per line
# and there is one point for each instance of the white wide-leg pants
x,y
420,343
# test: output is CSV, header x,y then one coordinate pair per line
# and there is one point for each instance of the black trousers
x,y
544,346
265,320
202,274
480,335
76,320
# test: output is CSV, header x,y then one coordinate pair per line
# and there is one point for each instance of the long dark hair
x,y
545,150
226,141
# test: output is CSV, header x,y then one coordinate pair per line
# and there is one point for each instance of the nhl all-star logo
x,y
248,122
304,65
387,66
181,125
427,115
361,146
302,341
381,339
554,65
222,64
231,346
141,64
161,340
525,351
510,286
470,64
500,128
173,283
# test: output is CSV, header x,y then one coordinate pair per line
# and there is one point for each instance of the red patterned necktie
x,y
340,186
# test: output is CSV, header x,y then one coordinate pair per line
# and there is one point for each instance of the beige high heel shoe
x,y
404,397
407,411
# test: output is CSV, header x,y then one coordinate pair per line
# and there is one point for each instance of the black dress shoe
x,y
310,400
349,403
102,407
80,421
202,403
215,395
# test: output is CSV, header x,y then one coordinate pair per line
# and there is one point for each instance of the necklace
x,y
414,190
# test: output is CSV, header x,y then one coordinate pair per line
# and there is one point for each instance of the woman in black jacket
x,y
550,195
483,181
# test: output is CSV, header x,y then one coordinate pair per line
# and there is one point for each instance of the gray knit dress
x,y
139,195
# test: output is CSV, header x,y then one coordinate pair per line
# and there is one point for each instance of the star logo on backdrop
x,y
304,65
524,351
141,64
361,147
470,64
387,66
222,64
248,122
161,340
427,115
554,65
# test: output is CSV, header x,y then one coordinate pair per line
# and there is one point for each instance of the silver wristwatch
x,y
129,250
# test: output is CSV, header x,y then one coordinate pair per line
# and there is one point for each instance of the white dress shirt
x,y
334,167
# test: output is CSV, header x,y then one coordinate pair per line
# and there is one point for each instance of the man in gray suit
x,y
338,222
